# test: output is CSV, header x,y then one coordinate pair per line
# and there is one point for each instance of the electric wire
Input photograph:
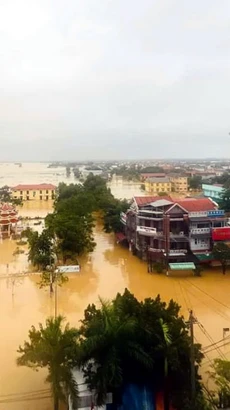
x,y
210,296
216,310
202,328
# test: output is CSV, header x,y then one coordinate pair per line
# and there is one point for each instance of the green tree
x,y
221,252
109,340
225,200
112,222
195,182
50,277
56,349
41,248
166,343
72,225
156,354
221,377
6,196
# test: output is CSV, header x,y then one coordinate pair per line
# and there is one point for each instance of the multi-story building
x,y
171,183
158,184
213,191
40,192
160,227
179,183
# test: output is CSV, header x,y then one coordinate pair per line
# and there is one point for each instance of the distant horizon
x,y
204,159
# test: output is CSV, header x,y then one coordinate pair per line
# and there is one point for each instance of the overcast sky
x,y
97,79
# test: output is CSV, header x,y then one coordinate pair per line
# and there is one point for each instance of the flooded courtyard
x,y
108,270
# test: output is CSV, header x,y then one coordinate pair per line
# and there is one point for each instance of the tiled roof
x,y
33,187
164,180
152,174
144,200
196,205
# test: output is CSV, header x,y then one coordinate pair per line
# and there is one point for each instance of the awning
x,y
204,257
182,266
120,237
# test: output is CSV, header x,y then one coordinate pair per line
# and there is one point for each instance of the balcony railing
x,y
172,252
199,230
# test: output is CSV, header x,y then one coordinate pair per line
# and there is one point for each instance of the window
x,y
21,192
196,241
40,192
40,197
34,193
47,197
27,192
47,191
27,197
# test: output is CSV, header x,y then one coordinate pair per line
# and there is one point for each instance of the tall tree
x,y
221,252
41,248
142,353
56,349
225,200
109,340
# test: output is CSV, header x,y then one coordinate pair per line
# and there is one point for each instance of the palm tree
x,y
109,340
55,348
167,340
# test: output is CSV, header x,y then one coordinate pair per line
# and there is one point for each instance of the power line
x,y
210,339
216,310
210,296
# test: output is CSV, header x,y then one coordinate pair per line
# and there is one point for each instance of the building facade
x,y
158,184
179,183
212,191
39,192
174,183
160,228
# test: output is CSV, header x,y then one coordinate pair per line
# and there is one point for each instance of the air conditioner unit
x,y
182,233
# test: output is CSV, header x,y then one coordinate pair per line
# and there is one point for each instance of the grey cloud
x,y
114,79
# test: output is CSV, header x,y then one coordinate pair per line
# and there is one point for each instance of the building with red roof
x,y
160,227
28,192
8,219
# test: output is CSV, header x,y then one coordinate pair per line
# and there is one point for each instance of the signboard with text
x,y
69,269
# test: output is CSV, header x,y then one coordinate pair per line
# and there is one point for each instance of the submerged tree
x,y
221,252
56,349
41,248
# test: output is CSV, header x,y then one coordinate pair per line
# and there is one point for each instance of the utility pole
x,y
192,357
55,294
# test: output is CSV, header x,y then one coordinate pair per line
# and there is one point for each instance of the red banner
x,y
221,234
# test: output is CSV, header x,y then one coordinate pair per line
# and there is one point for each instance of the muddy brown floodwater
x,y
108,270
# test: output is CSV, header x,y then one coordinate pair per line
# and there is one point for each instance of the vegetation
x,y
221,377
195,182
225,200
221,252
128,172
56,349
52,276
152,169
5,196
119,343
145,342
41,248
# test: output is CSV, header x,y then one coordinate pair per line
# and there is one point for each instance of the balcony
x,y
172,252
200,231
123,218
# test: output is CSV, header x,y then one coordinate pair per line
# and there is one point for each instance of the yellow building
x,y
179,183
39,192
157,185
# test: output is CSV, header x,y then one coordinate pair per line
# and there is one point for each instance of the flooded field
x,y
108,270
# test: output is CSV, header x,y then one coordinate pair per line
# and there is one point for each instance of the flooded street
x,y
108,270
